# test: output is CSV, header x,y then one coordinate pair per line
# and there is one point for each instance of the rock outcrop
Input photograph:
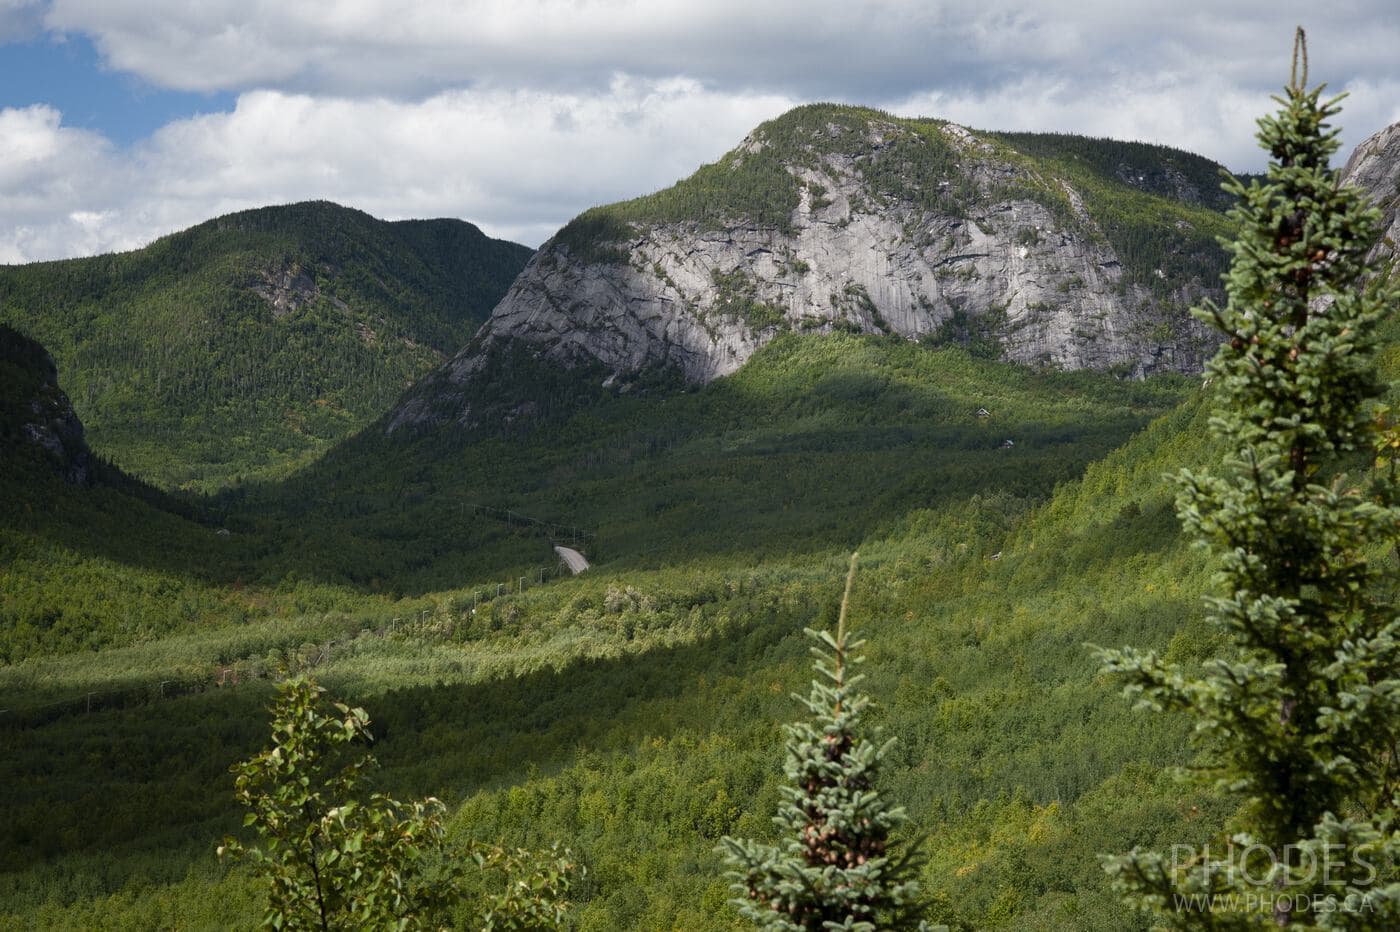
x,y
286,288
37,420
1375,168
918,229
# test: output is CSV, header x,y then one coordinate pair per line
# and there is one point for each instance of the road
x,y
577,564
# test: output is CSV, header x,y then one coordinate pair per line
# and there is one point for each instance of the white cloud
x,y
812,49
517,163
48,171
513,114
1369,107
1207,117
20,19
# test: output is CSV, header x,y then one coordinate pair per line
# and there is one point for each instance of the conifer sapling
x,y
838,867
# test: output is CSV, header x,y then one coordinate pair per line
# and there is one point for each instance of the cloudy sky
x,y
122,120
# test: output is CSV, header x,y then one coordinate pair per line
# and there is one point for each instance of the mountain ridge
x,y
836,217
247,344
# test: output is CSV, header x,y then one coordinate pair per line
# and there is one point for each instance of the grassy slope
x,y
182,374
634,711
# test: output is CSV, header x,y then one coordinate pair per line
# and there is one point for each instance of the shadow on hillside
x,y
161,770
823,445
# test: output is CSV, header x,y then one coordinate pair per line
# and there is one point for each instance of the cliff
x,y
1053,251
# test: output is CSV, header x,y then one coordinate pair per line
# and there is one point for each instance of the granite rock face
x,y
994,256
1375,168
286,288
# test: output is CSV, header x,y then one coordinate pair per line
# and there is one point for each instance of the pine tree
x,y
839,867
1300,718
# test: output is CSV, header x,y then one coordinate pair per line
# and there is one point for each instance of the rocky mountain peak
x,y
844,218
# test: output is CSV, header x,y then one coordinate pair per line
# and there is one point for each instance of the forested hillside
x,y
633,711
37,423
1009,518
245,346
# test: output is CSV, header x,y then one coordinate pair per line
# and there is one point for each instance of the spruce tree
x,y
838,868
1299,718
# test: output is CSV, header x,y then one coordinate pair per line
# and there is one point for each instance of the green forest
x,y
608,750
248,345
633,710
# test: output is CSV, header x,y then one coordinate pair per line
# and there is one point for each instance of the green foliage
x,y
36,426
736,296
818,438
249,344
1155,169
637,726
839,867
596,235
977,335
532,890
330,860
626,710
1298,716
1157,207
25,370
333,861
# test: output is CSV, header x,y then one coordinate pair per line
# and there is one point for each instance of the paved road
x,y
577,564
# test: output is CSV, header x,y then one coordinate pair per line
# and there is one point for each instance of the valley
x,y
315,442
651,685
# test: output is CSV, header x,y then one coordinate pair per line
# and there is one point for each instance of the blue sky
x,y
123,120
67,73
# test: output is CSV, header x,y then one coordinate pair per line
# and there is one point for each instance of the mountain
x,y
1054,250
634,712
248,344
